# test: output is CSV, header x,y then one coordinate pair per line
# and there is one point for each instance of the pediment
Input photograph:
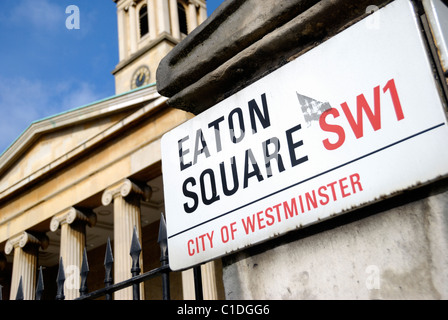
x,y
50,142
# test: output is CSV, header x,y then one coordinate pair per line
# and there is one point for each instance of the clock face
x,y
140,77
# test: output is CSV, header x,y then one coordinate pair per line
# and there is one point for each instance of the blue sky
x,y
46,68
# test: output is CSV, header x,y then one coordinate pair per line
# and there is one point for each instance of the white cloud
x,y
41,15
80,95
23,101
18,105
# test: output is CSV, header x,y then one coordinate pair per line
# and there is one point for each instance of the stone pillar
x,y
163,16
188,285
202,14
133,27
121,35
26,249
73,241
126,196
174,15
192,17
209,286
152,19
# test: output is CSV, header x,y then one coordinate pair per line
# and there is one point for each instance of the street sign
x,y
352,121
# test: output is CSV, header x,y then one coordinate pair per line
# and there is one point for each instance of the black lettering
x,y
214,196
238,112
204,148
294,145
183,152
215,125
274,155
256,170
263,118
190,194
225,188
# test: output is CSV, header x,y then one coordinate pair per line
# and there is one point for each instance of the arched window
x,y
143,18
182,18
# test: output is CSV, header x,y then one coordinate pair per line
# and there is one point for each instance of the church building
x,y
76,179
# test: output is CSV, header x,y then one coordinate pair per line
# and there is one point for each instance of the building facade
x,y
74,180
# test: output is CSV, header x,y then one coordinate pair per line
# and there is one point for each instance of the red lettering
x,y
198,244
343,187
390,85
362,108
355,181
331,185
210,238
278,211
191,252
301,204
321,193
233,230
270,217
260,220
332,128
203,242
311,200
361,104
225,234
249,225
290,212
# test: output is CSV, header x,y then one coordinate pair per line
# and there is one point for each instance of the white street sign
x,y
354,120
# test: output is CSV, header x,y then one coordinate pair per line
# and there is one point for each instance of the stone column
x,y
133,27
209,286
192,17
174,15
73,241
202,14
163,16
26,249
126,196
152,19
121,35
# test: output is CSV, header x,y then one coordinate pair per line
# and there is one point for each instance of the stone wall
x,y
395,249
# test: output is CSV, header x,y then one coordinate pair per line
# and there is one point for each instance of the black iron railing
x,y
163,271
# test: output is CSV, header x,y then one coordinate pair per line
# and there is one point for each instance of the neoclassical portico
x,y
74,180
99,177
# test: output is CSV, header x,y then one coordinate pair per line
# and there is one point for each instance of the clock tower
x,y
147,31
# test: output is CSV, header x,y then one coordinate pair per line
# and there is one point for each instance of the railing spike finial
x,y
163,238
60,280
84,272
135,246
40,285
135,269
163,243
19,295
108,263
